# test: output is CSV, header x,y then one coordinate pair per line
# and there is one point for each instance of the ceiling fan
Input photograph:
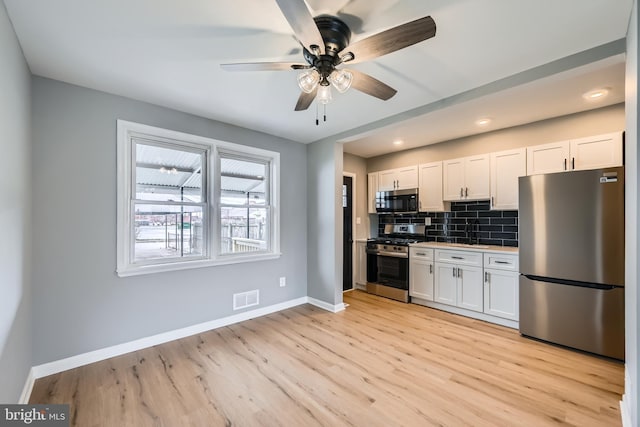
x,y
325,41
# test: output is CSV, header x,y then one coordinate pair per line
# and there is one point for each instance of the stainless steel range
x,y
388,260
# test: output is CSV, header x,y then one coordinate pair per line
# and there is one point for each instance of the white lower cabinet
x,y
446,284
458,279
501,285
470,288
477,284
361,263
421,273
501,293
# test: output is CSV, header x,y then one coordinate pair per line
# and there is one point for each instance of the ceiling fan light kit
x,y
326,45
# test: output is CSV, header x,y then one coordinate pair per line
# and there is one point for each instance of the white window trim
x,y
125,132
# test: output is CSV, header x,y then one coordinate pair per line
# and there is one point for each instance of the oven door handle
x,y
393,254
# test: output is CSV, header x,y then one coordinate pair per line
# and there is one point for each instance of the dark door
x,y
347,215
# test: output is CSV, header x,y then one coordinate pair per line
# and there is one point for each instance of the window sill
x,y
139,270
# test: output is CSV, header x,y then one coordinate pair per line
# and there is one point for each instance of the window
x,y
186,201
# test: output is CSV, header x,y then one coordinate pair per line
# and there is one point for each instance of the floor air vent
x,y
246,299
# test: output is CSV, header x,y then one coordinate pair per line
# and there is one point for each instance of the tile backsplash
x,y
466,220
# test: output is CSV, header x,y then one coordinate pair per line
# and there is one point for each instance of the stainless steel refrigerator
x,y
571,238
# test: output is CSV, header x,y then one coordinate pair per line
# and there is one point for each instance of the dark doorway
x,y
347,227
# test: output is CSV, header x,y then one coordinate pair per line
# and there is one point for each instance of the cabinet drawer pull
x,y
421,253
457,257
502,262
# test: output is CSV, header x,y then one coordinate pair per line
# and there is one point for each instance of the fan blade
x,y
371,86
264,66
305,100
304,27
393,39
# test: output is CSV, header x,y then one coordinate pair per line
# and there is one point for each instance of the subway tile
x,y
493,228
479,207
510,228
509,214
466,214
511,243
510,236
491,214
505,221
491,242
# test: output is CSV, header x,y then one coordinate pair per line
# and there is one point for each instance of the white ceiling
x,y
169,52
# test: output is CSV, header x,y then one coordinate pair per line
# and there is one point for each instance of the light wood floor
x,y
378,363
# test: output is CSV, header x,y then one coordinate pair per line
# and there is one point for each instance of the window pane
x,y
243,182
168,174
243,229
163,231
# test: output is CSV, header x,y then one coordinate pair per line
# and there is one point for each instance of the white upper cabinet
x,y
466,178
430,188
372,188
398,179
593,152
506,167
548,158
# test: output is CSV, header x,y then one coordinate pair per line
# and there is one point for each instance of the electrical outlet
x,y
283,282
358,220
427,221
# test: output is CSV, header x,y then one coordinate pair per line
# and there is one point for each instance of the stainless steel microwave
x,y
398,201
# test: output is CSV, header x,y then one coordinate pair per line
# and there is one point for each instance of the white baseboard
x,y
625,410
56,366
28,387
326,306
72,362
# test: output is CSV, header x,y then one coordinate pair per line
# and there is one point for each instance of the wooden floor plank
x,y
378,363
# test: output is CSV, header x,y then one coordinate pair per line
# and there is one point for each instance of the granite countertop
x,y
473,248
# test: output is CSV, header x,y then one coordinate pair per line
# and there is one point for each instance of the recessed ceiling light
x,y
483,122
398,142
596,94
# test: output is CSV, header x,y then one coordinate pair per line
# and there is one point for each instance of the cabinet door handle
x,y
461,192
573,163
459,272
430,268
454,271
565,164
457,257
491,201
420,204
466,191
486,277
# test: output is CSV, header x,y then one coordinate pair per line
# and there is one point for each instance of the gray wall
x,y
15,202
602,120
79,303
324,232
632,297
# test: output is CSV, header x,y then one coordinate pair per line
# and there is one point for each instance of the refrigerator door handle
x,y
571,282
